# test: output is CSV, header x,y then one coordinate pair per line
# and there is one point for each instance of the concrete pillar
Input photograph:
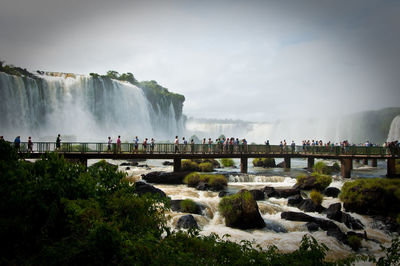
x,y
365,161
374,162
391,167
243,164
345,170
287,162
177,164
310,162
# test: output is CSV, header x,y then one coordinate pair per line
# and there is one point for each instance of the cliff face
x,y
86,107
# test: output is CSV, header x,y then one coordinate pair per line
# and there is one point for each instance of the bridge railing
x,y
169,148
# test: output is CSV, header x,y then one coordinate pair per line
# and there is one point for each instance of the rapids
x,y
286,235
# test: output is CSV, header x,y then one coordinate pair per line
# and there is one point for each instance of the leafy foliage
x,y
354,242
227,162
189,165
316,197
206,167
321,181
217,182
188,205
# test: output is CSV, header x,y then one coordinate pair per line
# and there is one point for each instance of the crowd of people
x,y
225,145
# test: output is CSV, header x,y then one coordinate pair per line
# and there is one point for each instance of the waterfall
x,y
394,131
81,108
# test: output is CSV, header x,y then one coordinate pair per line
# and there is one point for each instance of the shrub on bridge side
x,y
264,162
372,196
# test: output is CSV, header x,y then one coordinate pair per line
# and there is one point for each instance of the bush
x,y
264,162
354,242
189,206
188,165
192,179
321,168
206,167
316,197
227,162
217,182
372,196
322,181
301,178
231,207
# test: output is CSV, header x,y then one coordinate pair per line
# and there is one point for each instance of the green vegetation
x,y
188,205
372,196
227,162
397,166
321,181
216,182
56,212
206,167
316,197
321,168
354,242
16,71
189,165
232,206
314,181
264,162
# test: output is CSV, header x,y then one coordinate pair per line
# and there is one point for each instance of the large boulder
x,y
165,177
352,222
187,222
332,192
308,205
142,188
280,192
241,211
269,191
334,212
297,216
295,200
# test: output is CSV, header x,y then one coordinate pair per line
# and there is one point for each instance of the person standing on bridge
x,y
176,144
152,144
184,145
136,144
58,142
30,144
109,144
17,143
119,144
293,146
192,146
145,145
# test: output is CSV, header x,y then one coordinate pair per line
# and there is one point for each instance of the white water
x,y
394,131
81,108
211,221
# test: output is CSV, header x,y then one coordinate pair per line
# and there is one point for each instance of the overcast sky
x,y
250,60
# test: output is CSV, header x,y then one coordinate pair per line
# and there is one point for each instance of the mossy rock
x,y
206,167
241,211
380,196
189,165
213,182
315,181
316,197
264,162
227,162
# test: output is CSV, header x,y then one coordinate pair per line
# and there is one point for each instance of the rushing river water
x,y
286,235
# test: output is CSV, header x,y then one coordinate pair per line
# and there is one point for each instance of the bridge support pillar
x,y
177,164
374,162
310,162
365,161
287,162
243,164
345,169
391,168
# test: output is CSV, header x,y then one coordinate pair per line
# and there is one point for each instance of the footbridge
x,y
126,151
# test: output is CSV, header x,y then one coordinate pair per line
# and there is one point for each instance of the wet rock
x,y
176,206
269,191
241,211
285,192
295,200
224,193
281,164
332,192
142,188
275,226
334,212
186,222
308,205
257,194
129,164
312,227
297,216
127,168
165,177
167,163
352,222
203,186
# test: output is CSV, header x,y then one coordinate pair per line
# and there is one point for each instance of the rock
x,y
124,164
312,227
127,168
165,177
241,211
297,216
186,222
224,193
167,163
275,226
203,186
129,164
176,206
308,183
295,200
351,222
332,192
334,212
269,191
257,194
281,164
285,192
308,205
142,188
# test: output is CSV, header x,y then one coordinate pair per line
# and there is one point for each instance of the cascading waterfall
x,y
394,131
81,108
